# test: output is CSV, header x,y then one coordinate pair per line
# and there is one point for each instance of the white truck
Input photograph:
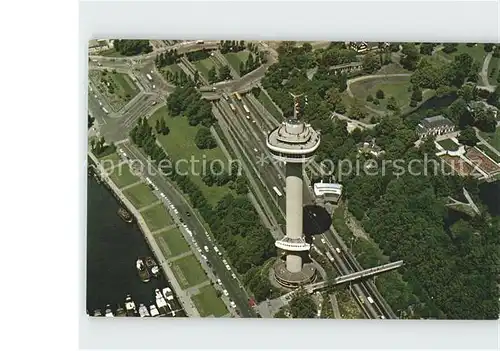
x,y
149,77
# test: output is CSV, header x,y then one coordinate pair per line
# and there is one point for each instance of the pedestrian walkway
x,y
178,257
131,185
147,207
164,229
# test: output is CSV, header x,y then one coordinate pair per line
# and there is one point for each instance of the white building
x,y
329,192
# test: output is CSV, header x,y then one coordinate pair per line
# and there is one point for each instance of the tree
x,y
449,48
242,68
467,92
417,94
410,57
212,75
380,94
224,73
484,119
468,137
488,47
371,63
157,126
302,305
459,113
392,104
204,139
355,111
427,48
164,130
333,97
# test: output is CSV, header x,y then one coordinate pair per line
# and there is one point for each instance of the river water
x,y
113,247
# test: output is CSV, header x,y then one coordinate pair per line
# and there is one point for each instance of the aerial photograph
x,y
293,179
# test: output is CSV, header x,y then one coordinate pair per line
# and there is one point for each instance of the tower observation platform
x,y
294,143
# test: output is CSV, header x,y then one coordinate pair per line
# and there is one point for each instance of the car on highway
x,y
188,214
224,261
205,248
200,250
323,240
219,281
228,267
204,257
225,292
233,276
232,304
337,249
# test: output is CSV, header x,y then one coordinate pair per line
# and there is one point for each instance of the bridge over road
x,y
370,272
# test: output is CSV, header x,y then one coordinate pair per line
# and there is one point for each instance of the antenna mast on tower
x,y
295,105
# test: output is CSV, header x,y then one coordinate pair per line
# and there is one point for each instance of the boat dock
x,y
187,306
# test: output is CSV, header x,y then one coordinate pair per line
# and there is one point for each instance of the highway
x,y
236,291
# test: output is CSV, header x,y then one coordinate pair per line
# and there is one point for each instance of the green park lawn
x,y
172,68
109,160
448,144
488,152
493,138
234,59
140,195
122,176
203,66
156,217
179,144
476,52
268,105
207,302
125,83
188,271
391,86
171,242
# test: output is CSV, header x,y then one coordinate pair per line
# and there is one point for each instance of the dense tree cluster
x,y
99,147
144,137
257,281
179,78
132,47
462,114
187,101
161,126
468,137
226,46
167,58
236,225
250,64
301,306
204,139
435,74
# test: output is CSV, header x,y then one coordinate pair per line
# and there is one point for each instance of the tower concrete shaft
x,y
294,212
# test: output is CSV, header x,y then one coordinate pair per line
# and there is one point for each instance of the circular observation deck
x,y
293,141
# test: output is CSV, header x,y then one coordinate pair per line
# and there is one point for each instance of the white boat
x,y
130,306
108,312
167,293
155,270
154,311
143,311
160,301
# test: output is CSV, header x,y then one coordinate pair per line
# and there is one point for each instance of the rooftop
x,y
436,122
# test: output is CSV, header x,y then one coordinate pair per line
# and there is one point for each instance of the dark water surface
x,y
113,247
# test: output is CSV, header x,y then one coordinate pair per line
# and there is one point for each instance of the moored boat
x,y
142,270
108,312
97,313
160,300
154,311
152,266
167,293
120,312
125,215
143,311
130,306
